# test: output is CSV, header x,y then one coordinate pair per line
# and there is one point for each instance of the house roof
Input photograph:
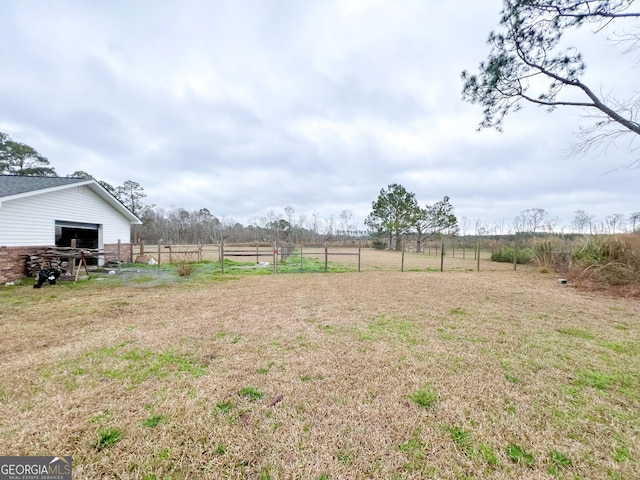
x,y
13,187
14,184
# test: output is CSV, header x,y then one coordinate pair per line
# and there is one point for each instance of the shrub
x,y
505,254
614,260
185,264
378,244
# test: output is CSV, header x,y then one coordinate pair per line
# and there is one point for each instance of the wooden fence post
x,y
119,255
442,256
515,252
402,262
275,257
326,257
478,255
301,266
159,253
222,255
359,253
73,263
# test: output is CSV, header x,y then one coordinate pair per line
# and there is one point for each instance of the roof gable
x,y
13,187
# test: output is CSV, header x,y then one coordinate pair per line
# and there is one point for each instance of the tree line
x,y
181,226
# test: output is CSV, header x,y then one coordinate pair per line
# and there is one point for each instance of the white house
x,y
38,212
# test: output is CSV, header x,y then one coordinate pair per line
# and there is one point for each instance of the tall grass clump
x,y
185,264
614,260
505,254
551,254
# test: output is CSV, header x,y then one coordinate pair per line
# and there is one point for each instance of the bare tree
x,y
615,220
465,222
289,211
633,218
316,225
481,228
582,220
519,223
345,222
531,220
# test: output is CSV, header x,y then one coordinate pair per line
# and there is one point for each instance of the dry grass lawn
x,y
380,374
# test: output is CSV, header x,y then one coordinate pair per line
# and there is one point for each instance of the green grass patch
x,y
577,332
265,370
558,462
414,447
488,454
425,397
620,451
101,417
345,457
510,377
519,455
225,407
163,454
462,439
385,327
252,393
107,437
153,421
626,382
626,348
293,263
131,366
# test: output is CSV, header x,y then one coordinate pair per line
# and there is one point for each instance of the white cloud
x,y
249,107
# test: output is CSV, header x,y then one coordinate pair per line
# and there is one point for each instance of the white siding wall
x,y
31,220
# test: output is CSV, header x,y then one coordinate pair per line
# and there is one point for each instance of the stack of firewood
x,y
57,258
41,261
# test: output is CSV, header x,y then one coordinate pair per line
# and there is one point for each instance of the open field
x,y
381,374
370,259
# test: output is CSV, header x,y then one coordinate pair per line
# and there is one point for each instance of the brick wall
x,y
111,252
13,265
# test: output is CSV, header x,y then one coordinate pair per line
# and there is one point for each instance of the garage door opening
x,y
86,235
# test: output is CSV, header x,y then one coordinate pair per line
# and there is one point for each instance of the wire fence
x,y
432,257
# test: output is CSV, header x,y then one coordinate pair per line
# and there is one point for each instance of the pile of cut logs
x,y
57,258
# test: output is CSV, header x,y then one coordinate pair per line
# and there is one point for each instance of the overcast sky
x,y
248,106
